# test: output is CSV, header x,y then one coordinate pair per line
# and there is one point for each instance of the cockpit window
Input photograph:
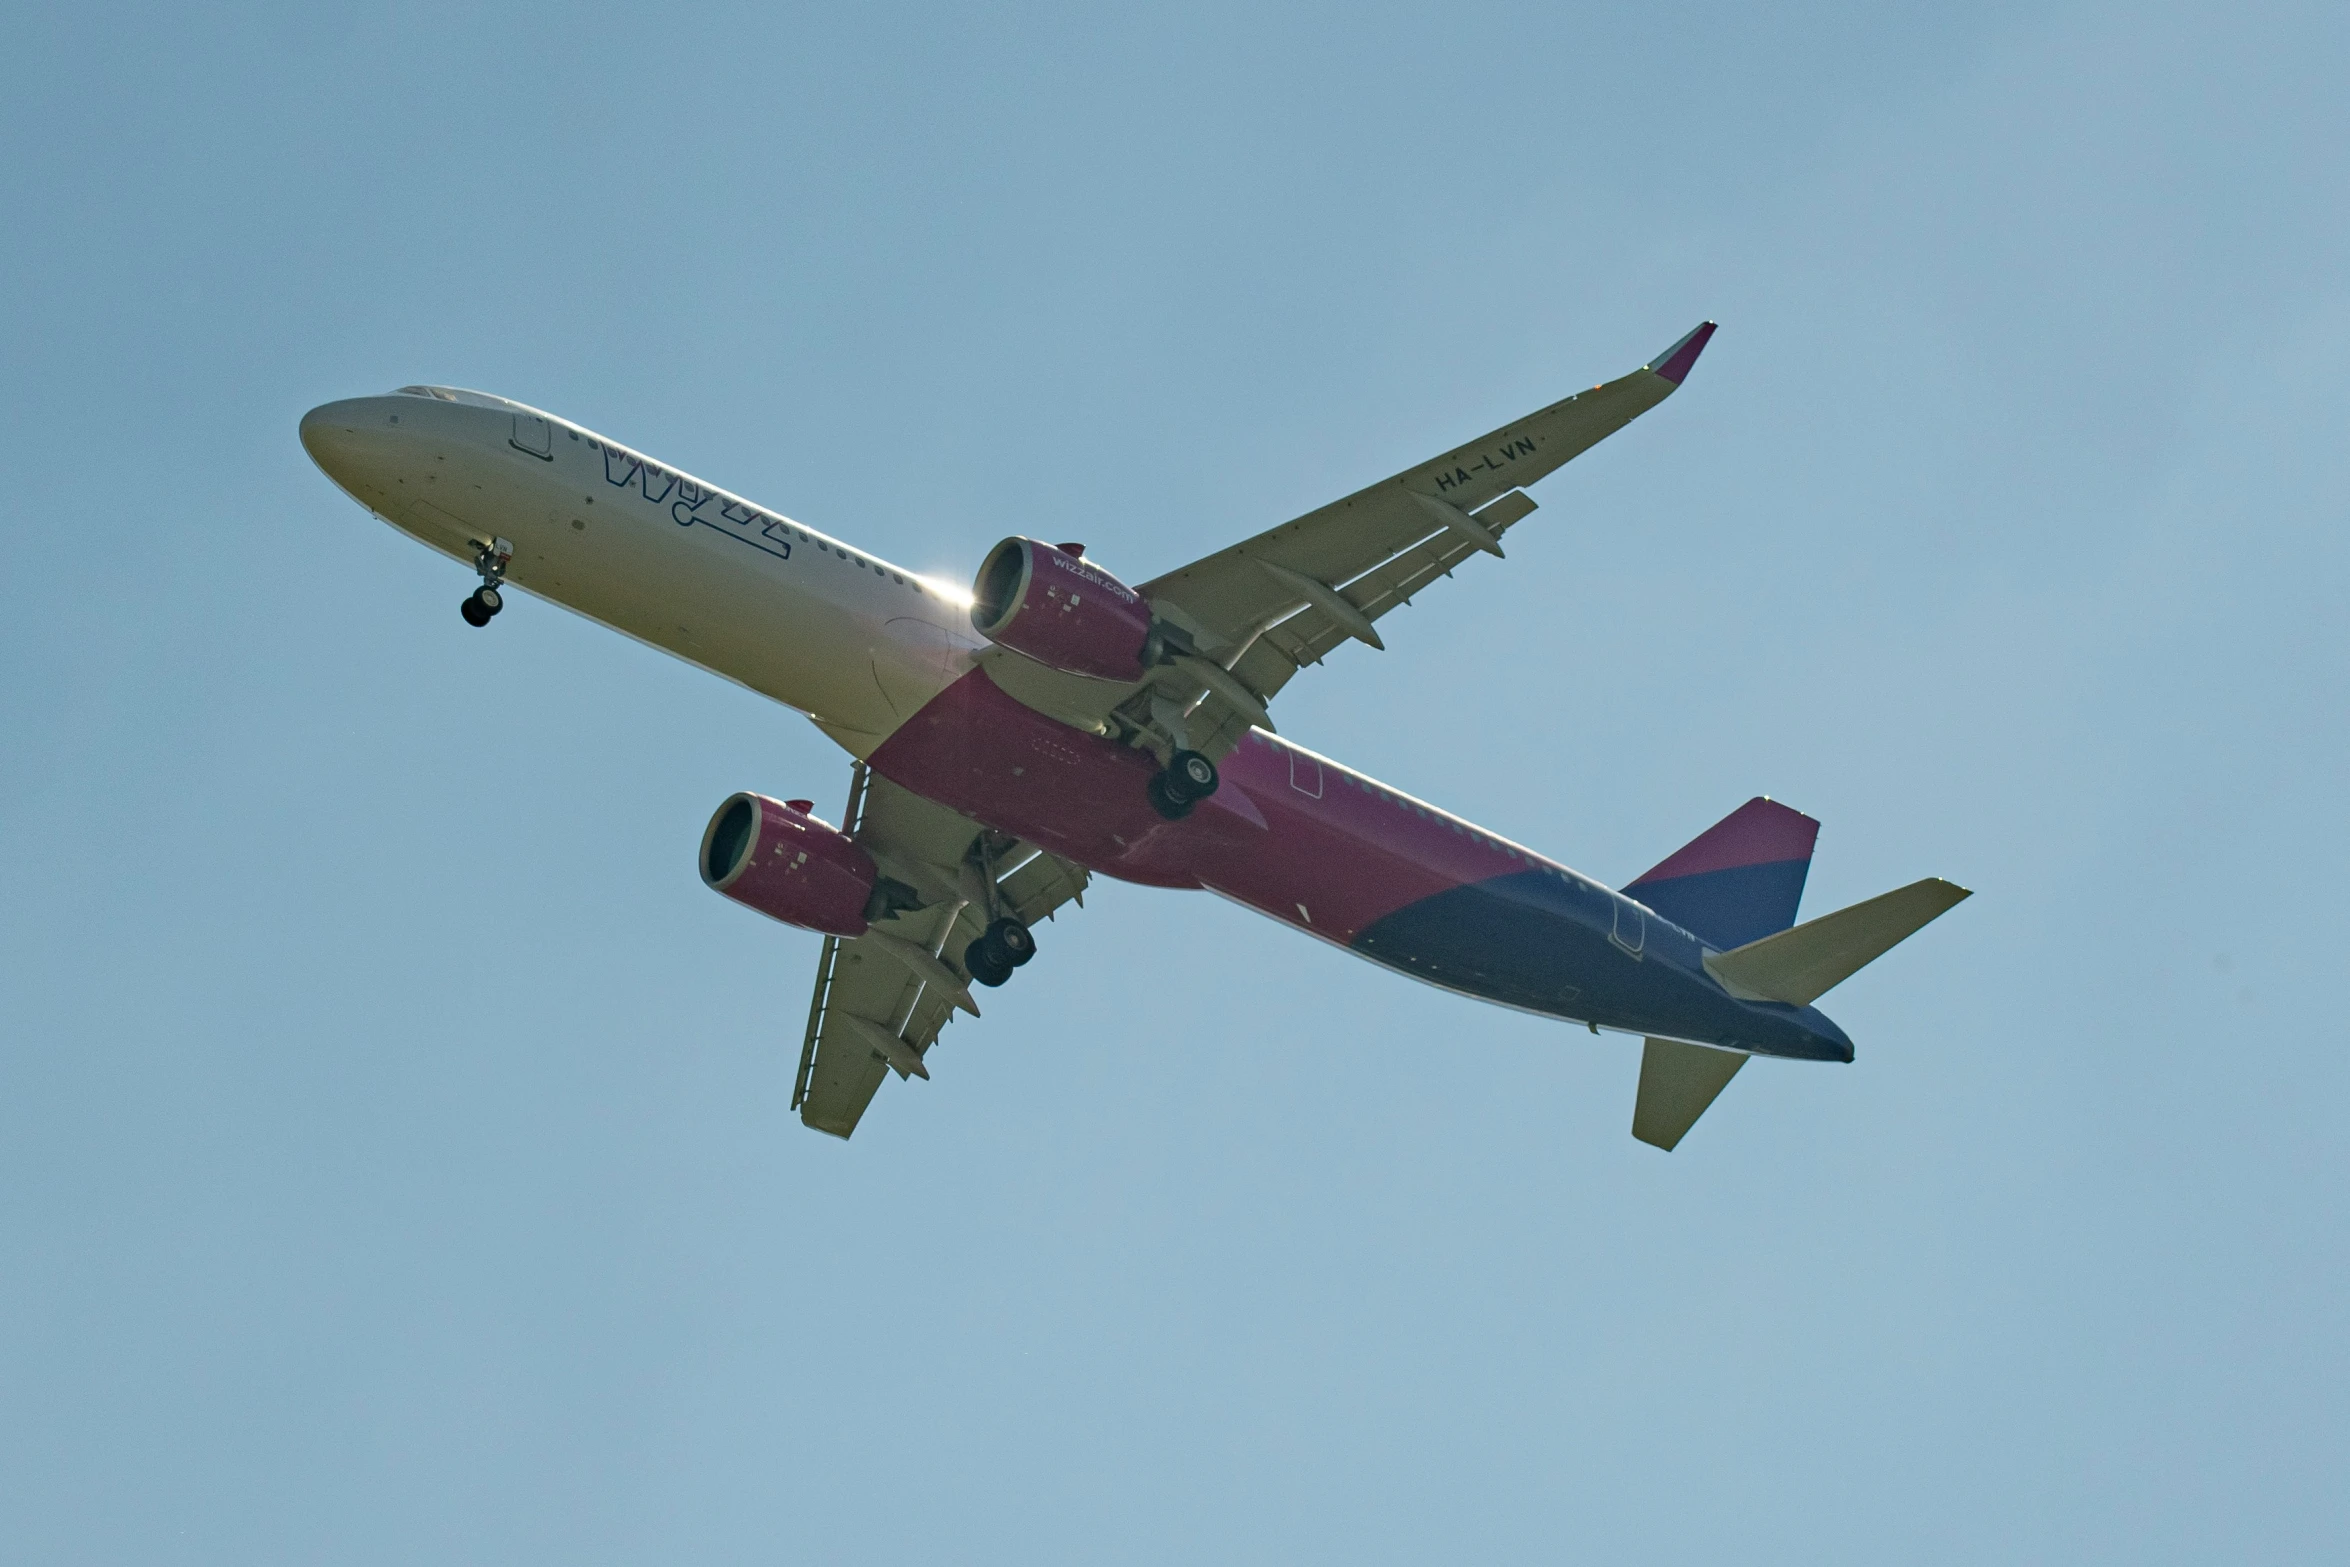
x,y
458,394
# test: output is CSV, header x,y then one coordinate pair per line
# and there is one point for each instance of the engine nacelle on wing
x,y
780,860
1064,612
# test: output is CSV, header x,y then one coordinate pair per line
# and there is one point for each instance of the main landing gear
x,y
1003,947
1007,942
484,602
1188,779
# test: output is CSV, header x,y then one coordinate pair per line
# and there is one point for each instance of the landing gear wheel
x,y
987,961
1013,940
1193,775
1189,779
1163,799
480,605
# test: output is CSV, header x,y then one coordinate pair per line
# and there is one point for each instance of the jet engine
x,y
1061,610
773,856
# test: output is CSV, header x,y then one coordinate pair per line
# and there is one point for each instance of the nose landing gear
x,y
1189,778
485,601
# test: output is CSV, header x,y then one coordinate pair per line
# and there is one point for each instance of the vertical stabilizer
x,y
1739,880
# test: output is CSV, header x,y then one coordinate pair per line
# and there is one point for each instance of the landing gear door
x,y
533,436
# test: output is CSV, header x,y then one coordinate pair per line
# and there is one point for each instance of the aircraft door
x,y
1631,927
533,436
1305,774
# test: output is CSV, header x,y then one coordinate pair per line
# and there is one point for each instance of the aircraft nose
x,y
328,431
353,441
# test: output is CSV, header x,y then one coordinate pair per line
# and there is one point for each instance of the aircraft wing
x,y
1265,608
881,998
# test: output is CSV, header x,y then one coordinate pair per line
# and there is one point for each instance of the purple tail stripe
x,y
1760,832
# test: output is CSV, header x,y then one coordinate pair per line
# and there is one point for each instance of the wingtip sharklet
x,y
1675,362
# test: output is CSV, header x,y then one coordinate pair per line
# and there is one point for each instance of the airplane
x,y
1053,723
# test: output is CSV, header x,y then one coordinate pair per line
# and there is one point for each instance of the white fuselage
x,y
857,644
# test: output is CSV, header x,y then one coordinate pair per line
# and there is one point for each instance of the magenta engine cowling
x,y
1061,611
778,859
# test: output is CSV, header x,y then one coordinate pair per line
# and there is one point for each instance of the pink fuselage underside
x,y
1328,851
1286,833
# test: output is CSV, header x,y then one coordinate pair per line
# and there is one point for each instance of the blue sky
x,y
395,1156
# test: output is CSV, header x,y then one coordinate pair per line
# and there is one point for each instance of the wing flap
x,y
838,1075
1042,885
1305,637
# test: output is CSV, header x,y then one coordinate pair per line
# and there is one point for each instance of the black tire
x,y
474,614
987,962
1013,939
1164,801
1192,775
489,598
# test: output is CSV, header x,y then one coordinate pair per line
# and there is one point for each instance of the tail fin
x,y
1801,965
1740,879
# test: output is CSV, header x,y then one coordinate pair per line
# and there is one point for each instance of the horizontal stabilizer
x,y
1677,1082
1799,966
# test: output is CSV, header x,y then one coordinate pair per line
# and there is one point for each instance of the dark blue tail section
x,y
1738,881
